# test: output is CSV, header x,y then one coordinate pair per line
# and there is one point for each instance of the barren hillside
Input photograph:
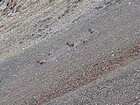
x,y
69,52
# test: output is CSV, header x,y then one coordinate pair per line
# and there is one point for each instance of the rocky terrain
x,y
69,52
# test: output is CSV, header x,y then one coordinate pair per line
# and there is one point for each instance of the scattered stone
x,y
70,44
129,3
91,30
50,53
74,49
33,35
39,30
1,26
99,7
84,40
51,1
21,42
14,75
41,61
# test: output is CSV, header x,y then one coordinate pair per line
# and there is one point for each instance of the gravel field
x,y
69,52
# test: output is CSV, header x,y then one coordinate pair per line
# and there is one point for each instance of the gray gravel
x,y
73,52
120,87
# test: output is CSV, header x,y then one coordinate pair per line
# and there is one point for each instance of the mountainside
x,y
69,52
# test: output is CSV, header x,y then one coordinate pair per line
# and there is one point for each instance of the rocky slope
x,y
72,52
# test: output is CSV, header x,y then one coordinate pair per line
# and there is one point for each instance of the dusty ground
x,y
72,52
